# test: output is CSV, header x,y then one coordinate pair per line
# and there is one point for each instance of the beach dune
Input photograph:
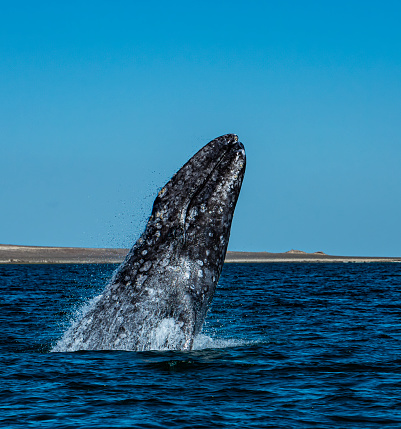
x,y
14,254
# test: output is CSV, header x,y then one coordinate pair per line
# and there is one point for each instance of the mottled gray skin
x,y
169,277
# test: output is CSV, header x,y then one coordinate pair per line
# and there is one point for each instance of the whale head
x,y
197,204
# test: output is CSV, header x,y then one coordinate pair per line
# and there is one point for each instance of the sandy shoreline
x,y
13,254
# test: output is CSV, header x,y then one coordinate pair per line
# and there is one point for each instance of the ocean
x,y
290,345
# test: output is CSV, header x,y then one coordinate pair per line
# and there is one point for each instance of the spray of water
x,y
155,333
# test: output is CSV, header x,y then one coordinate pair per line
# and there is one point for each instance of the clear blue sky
x,y
101,102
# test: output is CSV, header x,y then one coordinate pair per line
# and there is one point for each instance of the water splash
x,y
64,343
204,342
156,333
111,322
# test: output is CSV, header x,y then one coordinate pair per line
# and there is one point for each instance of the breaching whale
x,y
159,296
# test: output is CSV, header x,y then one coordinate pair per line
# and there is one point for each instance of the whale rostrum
x,y
159,296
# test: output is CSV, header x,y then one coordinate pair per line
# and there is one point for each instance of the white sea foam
x,y
202,342
167,331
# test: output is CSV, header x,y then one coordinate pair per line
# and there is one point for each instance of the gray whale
x,y
159,296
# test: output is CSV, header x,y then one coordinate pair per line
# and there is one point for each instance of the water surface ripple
x,y
284,346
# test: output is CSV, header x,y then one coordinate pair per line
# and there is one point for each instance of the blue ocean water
x,y
284,346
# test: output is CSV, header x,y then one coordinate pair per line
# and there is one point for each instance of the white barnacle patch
x,y
164,262
203,208
144,252
210,234
199,262
186,267
151,292
200,273
157,234
140,280
192,213
222,240
145,266
207,252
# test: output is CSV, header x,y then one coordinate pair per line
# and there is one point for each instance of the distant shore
x,y
13,254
